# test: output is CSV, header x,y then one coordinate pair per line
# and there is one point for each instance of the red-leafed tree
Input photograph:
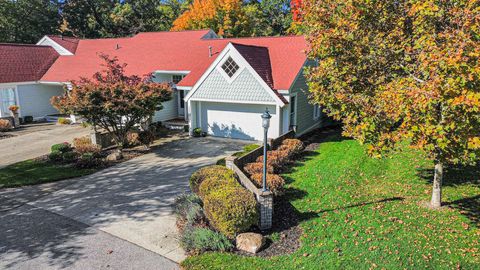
x,y
113,100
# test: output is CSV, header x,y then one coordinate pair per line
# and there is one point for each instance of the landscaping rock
x,y
115,156
250,242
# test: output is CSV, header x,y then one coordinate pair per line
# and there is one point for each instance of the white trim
x,y
237,56
283,92
184,87
17,83
53,83
57,47
173,72
233,101
17,101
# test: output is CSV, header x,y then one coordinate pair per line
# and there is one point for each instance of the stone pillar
x,y
16,119
265,201
229,162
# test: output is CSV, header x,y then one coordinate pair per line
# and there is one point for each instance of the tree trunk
x,y
437,186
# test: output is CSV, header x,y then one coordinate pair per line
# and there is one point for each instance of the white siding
x,y
34,99
170,108
238,121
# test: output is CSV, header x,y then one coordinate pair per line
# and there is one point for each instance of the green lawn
x,y
363,213
32,172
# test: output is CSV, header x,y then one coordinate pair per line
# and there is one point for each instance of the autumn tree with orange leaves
x,y
113,100
405,70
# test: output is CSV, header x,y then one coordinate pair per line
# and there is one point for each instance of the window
x,y
230,67
7,98
182,96
177,78
316,111
293,109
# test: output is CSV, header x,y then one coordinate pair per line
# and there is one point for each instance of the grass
x,y
246,149
363,213
31,172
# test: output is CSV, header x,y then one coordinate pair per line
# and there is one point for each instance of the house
x,y
221,85
21,72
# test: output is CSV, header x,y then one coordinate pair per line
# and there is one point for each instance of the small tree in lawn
x,y
113,100
396,70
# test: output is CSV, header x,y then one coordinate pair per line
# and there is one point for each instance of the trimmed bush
x,y
277,159
61,147
69,157
275,182
5,125
199,176
84,145
292,146
215,182
64,121
257,167
231,210
197,240
55,156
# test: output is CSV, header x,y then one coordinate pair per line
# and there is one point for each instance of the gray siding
x,y
34,99
305,120
244,88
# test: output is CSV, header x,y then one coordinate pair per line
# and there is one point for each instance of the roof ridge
x,y
175,31
24,45
262,37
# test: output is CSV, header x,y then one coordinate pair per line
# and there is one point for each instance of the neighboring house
x,y
22,67
221,85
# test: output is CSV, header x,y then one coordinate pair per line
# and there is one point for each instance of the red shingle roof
x,y
183,51
25,63
68,43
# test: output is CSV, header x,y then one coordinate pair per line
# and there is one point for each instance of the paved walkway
x,y
120,217
35,140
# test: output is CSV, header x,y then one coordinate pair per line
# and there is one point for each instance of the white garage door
x,y
238,121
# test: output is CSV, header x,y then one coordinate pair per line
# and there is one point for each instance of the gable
x,y
244,88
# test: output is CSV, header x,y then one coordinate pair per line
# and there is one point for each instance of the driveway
x,y
35,140
119,218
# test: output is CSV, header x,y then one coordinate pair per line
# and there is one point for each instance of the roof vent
x,y
210,51
117,47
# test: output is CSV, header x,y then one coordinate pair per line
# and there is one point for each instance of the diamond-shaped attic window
x,y
230,67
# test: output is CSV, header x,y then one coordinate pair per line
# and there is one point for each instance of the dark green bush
x,y
88,160
61,147
55,156
69,157
199,176
231,210
197,240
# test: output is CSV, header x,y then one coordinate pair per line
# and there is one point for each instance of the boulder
x,y
115,156
250,242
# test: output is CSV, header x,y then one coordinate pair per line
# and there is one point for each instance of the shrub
x,y
197,132
199,176
197,240
55,156
69,157
61,147
132,138
275,182
146,137
215,182
28,119
64,121
5,125
84,145
88,160
13,108
231,210
277,158
250,147
188,208
292,146
257,167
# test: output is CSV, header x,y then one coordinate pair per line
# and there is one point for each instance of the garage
x,y
237,121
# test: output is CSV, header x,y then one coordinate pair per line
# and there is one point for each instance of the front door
x,y
181,103
7,98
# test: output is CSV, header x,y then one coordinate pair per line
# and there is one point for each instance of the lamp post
x,y
266,124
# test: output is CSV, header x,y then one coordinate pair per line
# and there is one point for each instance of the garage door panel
x,y
239,121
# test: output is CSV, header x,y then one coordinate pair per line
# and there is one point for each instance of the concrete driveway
x,y
35,140
119,218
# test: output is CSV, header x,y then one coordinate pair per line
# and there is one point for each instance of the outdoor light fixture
x,y
266,124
